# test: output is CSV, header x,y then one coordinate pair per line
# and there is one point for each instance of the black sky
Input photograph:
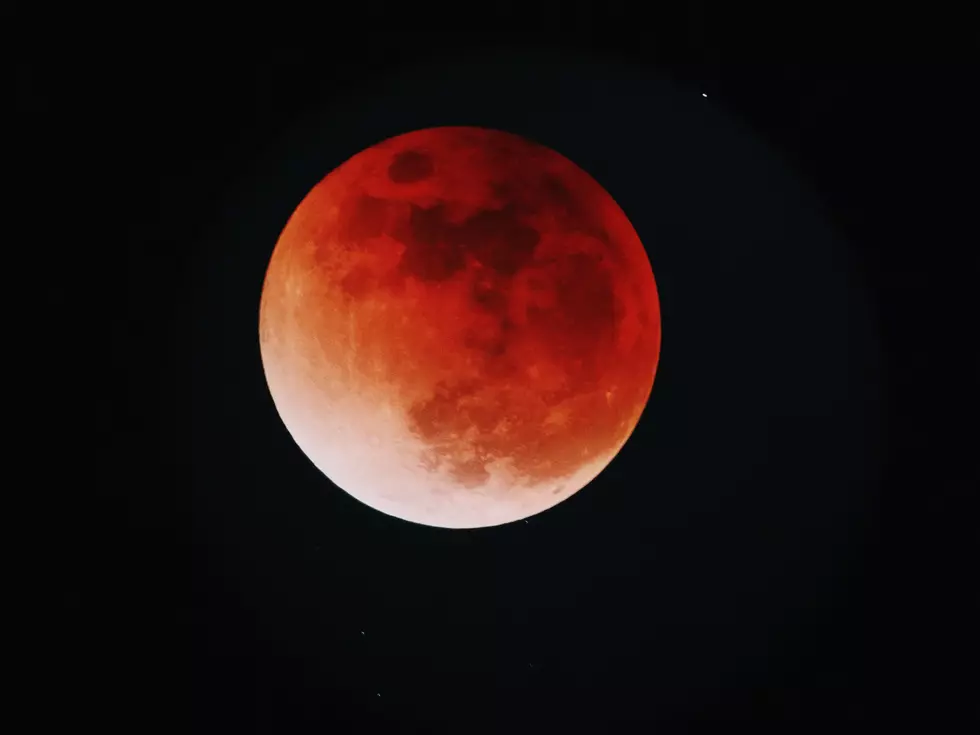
x,y
784,539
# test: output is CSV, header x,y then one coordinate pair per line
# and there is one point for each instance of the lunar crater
x,y
409,167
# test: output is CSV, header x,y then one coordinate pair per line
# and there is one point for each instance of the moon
x,y
459,327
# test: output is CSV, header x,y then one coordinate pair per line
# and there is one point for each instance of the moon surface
x,y
459,327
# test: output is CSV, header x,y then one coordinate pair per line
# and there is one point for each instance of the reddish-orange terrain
x,y
459,327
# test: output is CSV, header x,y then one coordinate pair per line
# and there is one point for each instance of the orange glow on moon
x,y
459,327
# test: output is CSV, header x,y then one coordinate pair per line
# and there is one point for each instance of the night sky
x,y
783,540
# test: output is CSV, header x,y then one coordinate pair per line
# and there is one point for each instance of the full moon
x,y
459,327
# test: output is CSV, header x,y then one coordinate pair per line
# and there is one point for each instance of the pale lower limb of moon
x,y
364,444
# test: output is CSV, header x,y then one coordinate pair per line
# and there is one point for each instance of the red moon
x,y
459,327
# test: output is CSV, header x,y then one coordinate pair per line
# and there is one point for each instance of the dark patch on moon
x,y
491,347
439,411
429,253
470,473
442,419
483,417
579,330
586,296
557,193
498,239
573,216
502,190
364,218
488,294
502,149
436,248
409,167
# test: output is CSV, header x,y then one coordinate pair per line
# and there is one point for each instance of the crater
x,y
365,218
409,167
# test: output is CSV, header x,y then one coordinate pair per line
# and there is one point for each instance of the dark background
x,y
785,538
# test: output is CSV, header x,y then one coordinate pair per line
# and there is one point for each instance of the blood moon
x,y
459,327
